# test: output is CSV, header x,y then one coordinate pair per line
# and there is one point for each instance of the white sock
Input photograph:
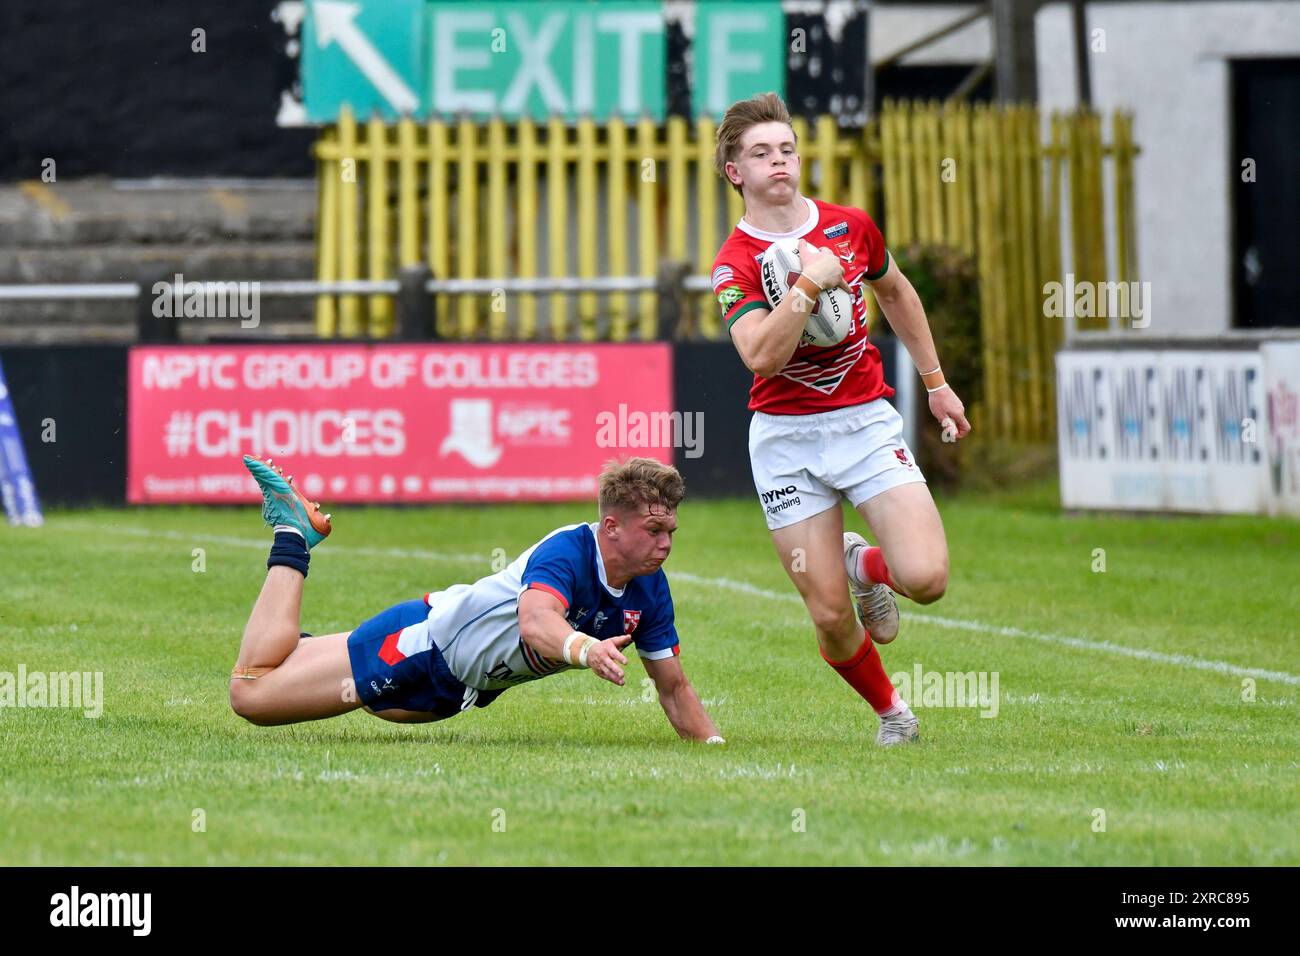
x,y
898,709
287,527
852,566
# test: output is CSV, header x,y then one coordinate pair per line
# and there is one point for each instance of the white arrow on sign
x,y
335,21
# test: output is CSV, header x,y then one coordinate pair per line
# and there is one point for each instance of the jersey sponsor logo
x,y
825,378
790,501
777,493
729,297
598,622
839,229
630,620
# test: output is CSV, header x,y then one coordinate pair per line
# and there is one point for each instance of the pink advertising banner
x,y
392,423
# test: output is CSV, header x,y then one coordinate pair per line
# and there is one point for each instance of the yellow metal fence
x,y
529,199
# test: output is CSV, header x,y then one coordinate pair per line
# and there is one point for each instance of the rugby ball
x,y
831,318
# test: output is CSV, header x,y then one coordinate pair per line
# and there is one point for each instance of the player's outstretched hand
x,y
822,266
947,407
607,661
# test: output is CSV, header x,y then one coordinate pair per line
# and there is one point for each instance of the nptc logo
x,y
471,432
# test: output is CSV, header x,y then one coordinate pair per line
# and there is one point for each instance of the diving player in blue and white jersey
x,y
573,600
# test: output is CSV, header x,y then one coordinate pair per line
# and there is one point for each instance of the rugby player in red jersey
x,y
822,428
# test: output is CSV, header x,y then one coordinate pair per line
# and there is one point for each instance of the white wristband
x,y
587,645
932,371
568,643
937,388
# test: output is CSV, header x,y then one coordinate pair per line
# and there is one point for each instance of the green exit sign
x,y
538,59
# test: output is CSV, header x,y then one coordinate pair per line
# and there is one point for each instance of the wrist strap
x,y
568,643
933,379
812,289
938,388
587,645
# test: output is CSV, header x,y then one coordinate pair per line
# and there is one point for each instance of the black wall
x,y
114,88
83,389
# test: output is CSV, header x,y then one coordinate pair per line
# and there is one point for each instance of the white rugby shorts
x,y
802,464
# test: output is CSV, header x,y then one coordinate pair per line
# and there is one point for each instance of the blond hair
x,y
627,485
740,116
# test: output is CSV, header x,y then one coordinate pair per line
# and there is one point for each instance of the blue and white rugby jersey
x,y
476,626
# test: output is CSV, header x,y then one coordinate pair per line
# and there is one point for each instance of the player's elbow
x,y
773,356
767,362
755,360
758,354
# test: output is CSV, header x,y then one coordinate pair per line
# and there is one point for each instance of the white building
x,y
1214,86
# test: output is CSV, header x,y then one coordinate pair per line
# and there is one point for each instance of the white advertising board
x,y
1169,430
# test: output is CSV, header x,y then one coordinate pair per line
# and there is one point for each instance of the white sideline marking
x,y
262,544
744,587
1182,660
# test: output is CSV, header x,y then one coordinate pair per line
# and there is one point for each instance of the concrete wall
x,y
1169,62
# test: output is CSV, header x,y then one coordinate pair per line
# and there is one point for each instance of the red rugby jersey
x,y
816,379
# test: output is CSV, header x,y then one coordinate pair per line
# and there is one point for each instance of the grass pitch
x,y
1145,714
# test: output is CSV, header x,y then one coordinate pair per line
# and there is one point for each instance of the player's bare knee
x,y
832,619
929,585
244,700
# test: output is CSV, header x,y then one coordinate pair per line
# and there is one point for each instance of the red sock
x,y
874,569
865,673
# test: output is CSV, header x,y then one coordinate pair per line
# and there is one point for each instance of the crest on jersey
x,y
630,620
845,250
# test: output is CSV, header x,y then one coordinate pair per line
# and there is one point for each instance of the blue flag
x,y
16,485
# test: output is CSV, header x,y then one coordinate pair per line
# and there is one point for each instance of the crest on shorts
x,y
630,620
901,455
